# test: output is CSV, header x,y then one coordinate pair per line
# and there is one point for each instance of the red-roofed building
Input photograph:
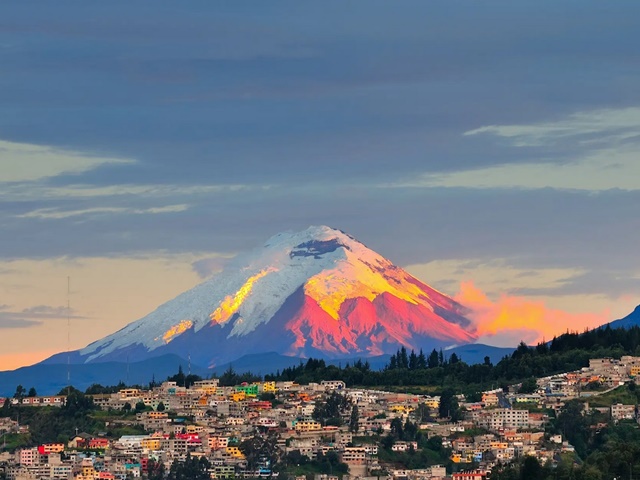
x,y
475,475
98,443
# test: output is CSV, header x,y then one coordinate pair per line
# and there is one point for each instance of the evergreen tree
x,y
354,420
433,361
422,360
413,360
403,358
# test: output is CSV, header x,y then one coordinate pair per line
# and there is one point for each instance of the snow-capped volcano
x,y
317,292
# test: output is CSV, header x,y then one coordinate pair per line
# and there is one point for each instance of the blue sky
x,y
473,134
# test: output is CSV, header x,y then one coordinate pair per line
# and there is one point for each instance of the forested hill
x,y
567,352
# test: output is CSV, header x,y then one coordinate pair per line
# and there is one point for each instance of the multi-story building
x,y
623,412
500,418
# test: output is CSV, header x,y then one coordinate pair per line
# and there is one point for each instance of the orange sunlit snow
x,y
230,304
178,329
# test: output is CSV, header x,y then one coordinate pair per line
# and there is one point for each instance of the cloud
x,y
612,284
56,214
24,162
511,319
602,126
591,151
205,267
606,169
8,321
40,191
33,316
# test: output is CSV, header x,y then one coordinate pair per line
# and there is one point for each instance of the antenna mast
x,y
68,335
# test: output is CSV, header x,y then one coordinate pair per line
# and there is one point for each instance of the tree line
x,y
567,352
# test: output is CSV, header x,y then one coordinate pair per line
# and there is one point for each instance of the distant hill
x,y
266,363
50,378
631,320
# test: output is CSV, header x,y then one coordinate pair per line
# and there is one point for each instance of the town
x,y
320,431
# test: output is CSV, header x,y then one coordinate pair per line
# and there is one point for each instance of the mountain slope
x,y
631,320
318,292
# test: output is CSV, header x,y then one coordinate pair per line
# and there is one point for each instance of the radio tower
x,y
68,335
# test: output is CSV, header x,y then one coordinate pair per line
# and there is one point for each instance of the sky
x,y
491,148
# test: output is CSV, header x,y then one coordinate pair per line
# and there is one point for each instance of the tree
x,y
261,451
413,360
528,386
160,407
330,411
473,397
397,430
20,392
422,360
140,407
179,377
433,361
354,420
155,470
191,469
531,469
229,377
449,405
573,425
403,358
126,407
32,392
487,361
6,408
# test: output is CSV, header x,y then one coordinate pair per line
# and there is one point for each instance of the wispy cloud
x,y
21,191
23,162
205,267
33,316
56,214
605,146
606,125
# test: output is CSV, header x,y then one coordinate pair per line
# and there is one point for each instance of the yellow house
x,y
238,396
86,469
307,426
460,458
158,415
235,452
269,387
433,403
401,409
635,371
150,443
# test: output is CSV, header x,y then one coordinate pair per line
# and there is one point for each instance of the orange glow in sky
x,y
16,360
510,319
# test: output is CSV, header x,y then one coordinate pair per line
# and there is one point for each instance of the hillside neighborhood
x,y
323,431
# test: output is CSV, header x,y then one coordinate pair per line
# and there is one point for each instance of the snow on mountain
x,y
318,291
